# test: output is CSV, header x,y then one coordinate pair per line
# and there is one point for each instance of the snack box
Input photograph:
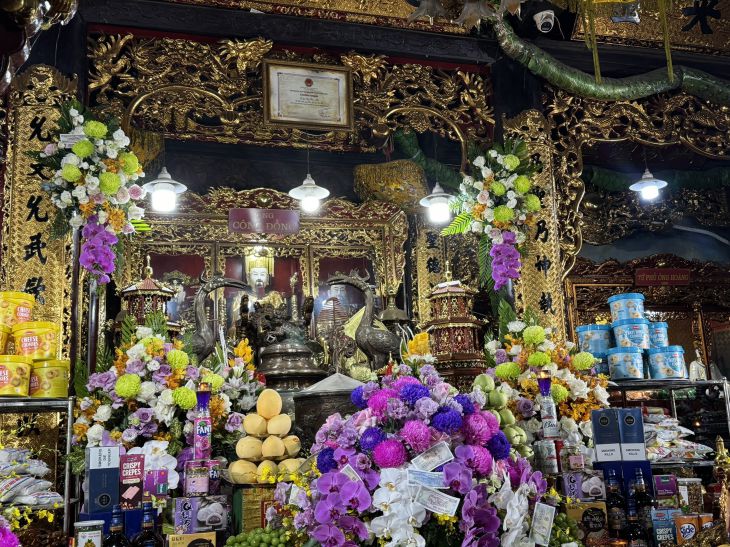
x,y
205,539
102,479
592,522
663,524
131,474
666,490
200,514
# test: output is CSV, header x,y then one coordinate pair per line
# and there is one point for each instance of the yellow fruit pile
x,y
267,442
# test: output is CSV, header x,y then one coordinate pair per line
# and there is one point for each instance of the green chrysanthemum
x,y
522,184
583,360
177,359
129,162
511,162
83,149
502,213
538,359
559,393
95,130
507,371
70,173
532,203
109,183
534,335
184,397
498,189
127,386
214,380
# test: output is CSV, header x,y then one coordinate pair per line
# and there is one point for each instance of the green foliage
x,y
104,358
485,263
176,432
460,225
77,459
128,329
157,322
531,318
81,378
507,314
187,340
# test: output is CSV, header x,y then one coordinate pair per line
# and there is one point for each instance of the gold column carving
x,y
32,259
540,285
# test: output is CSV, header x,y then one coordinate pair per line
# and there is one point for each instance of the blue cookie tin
x,y
594,338
658,334
632,333
667,363
626,306
626,363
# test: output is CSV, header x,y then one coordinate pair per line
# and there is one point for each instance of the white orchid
x,y
156,458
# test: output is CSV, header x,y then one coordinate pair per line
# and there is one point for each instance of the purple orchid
x,y
329,509
355,496
328,535
457,477
331,483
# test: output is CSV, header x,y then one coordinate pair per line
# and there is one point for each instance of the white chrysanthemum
x,y
479,161
516,326
103,413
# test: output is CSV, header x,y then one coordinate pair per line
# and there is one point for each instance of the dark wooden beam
x,y
218,22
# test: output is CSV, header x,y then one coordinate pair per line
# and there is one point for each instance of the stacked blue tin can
x,y
623,345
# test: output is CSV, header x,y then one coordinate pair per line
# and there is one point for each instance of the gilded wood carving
x,y
32,260
342,229
203,91
575,123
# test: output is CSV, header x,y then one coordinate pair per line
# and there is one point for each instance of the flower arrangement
x,y
498,202
524,348
417,351
366,472
146,398
94,185
7,537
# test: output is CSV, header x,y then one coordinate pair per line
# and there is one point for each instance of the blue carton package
x,y
101,484
606,435
631,429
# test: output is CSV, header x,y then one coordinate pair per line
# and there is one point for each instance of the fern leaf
x,y
485,263
104,358
506,316
459,225
129,329
157,322
81,378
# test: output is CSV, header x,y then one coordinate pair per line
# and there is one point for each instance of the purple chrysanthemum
x,y
357,397
411,393
326,460
390,453
499,446
447,420
371,437
466,404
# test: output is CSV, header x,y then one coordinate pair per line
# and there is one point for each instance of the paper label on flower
x,y
542,523
350,473
429,479
437,502
435,456
69,139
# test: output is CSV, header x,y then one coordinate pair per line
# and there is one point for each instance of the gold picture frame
x,y
327,105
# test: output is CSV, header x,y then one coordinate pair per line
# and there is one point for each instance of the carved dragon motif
x,y
376,343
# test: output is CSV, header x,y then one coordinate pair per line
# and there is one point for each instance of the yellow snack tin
x,y
50,378
14,375
15,307
4,337
36,339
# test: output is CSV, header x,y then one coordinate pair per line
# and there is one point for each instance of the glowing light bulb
x,y
438,212
649,192
164,198
310,204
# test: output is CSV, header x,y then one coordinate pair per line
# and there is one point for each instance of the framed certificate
x,y
306,95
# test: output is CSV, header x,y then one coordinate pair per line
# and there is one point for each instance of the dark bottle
x,y
644,502
635,533
148,537
616,506
116,537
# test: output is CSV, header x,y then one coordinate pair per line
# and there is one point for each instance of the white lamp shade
x,y
309,190
437,205
648,186
163,191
